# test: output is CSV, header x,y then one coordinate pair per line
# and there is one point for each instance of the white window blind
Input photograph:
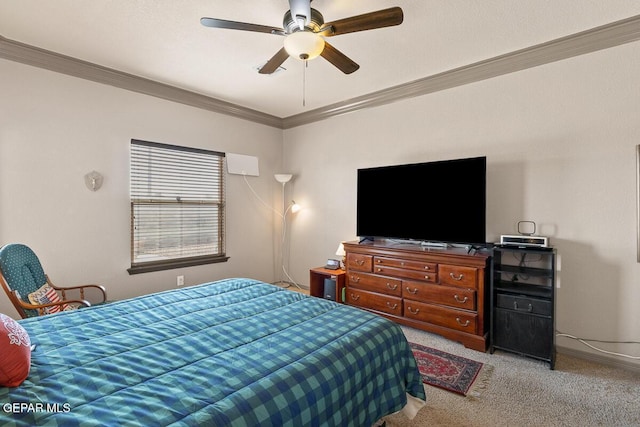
x,y
177,206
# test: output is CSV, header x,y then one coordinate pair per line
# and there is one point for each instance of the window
x,y
177,207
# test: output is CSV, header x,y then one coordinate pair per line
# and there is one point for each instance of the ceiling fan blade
x,y
338,59
368,21
234,25
275,62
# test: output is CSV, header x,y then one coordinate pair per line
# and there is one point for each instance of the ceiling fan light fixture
x,y
304,45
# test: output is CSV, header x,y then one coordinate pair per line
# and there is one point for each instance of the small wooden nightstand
x,y
316,281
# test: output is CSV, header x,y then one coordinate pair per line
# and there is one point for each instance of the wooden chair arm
x,y
80,287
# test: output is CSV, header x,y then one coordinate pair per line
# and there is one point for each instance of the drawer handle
x,y
426,267
355,278
426,277
529,307
411,310
454,277
392,307
466,323
359,262
393,288
461,301
355,297
412,292
378,269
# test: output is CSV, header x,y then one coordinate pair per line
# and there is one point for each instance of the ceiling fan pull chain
x,y
304,83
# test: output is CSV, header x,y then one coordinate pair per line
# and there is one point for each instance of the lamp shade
x,y
340,251
283,177
304,45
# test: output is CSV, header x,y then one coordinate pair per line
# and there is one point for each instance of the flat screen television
x,y
440,201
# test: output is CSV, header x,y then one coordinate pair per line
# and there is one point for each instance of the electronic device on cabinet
x,y
526,238
524,241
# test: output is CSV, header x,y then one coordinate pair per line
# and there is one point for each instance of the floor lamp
x,y
292,206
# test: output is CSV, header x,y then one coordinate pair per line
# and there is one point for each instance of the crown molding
x,y
592,40
598,38
42,58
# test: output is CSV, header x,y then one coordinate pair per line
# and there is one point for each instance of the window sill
x,y
178,263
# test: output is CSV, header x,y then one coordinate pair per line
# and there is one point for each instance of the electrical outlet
x,y
180,281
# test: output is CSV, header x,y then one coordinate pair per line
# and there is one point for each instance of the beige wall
x,y
560,144
54,129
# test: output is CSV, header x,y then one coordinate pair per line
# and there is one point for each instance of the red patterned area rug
x,y
450,372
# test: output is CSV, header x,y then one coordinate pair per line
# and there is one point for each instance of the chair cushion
x,y
15,352
45,295
22,270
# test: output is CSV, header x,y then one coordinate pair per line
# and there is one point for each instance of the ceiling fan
x,y
304,31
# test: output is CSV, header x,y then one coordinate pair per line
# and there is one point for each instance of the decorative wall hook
x,y
93,180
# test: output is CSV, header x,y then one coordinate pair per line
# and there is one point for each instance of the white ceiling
x,y
163,40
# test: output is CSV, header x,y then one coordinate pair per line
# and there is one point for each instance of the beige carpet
x,y
525,392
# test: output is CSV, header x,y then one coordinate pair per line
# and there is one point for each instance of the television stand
x,y
438,290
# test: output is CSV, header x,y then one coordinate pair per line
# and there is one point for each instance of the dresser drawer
x,y
525,304
374,301
430,267
359,262
453,275
408,274
460,320
371,282
438,294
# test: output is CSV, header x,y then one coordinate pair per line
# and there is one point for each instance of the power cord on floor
x,y
585,342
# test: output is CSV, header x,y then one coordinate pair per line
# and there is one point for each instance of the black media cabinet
x,y
522,299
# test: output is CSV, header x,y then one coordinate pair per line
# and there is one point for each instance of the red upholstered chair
x,y
29,288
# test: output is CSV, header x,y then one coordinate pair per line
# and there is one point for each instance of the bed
x,y
235,352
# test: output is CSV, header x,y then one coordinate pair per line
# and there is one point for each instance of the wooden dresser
x,y
444,291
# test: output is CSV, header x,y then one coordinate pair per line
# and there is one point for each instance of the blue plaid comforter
x,y
236,352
